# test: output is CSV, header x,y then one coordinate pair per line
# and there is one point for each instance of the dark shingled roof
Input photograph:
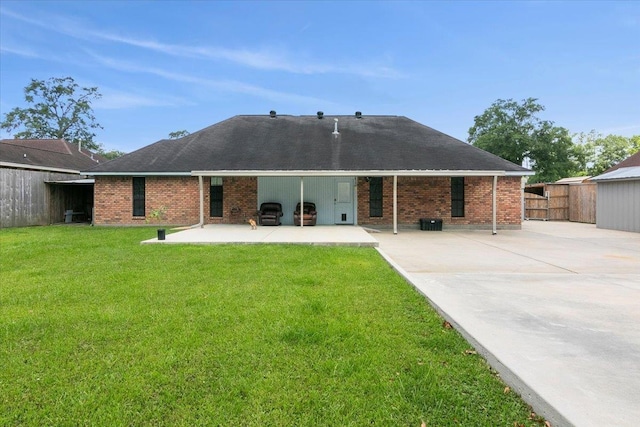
x,y
306,143
48,153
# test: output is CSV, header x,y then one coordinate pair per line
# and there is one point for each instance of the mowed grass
x,y
96,329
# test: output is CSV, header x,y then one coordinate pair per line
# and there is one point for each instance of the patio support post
x,y
395,204
201,201
493,197
301,201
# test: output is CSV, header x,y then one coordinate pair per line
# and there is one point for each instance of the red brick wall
x,y
418,197
240,200
430,197
179,195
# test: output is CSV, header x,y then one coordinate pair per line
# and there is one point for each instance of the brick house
x,y
382,171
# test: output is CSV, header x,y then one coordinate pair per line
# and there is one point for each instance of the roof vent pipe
x,y
320,114
272,114
358,114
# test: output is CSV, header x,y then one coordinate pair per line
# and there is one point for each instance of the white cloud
x,y
225,85
112,99
264,59
20,51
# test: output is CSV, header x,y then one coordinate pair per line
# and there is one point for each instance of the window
x,y
375,196
215,197
138,196
457,196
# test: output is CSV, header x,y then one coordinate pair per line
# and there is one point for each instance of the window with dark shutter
x,y
457,196
375,196
215,197
138,196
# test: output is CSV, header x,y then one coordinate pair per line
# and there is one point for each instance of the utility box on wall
x,y
430,224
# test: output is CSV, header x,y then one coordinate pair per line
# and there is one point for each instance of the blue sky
x,y
166,66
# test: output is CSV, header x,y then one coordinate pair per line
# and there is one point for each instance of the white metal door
x,y
343,209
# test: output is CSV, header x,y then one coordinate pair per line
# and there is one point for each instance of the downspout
x,y
523,182
395,204
495,188
201,186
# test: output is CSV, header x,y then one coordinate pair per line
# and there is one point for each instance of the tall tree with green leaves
x,y
602,152
57,108
552,154
513,131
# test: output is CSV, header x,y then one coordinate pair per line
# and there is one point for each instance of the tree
x,y
512,131
178,134
635,144
602,152
552,153
111,154
58,108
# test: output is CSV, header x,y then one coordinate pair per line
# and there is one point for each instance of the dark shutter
x,y
138,196
375,196
215,197
457,196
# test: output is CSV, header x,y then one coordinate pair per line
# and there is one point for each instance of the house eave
x,y
358,173
89,173
38,168
354,173
519,173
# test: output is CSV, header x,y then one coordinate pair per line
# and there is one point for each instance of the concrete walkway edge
x,y
539,405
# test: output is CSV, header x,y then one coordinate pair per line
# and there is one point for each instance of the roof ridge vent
x,y
272,114
358,114
320,114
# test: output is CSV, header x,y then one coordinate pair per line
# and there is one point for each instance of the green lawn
x,y
96,329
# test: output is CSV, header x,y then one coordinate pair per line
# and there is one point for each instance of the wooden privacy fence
x,y
563,202
582,202
26,198
536,207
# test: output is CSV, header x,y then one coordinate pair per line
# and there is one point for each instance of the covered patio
x,y
329,235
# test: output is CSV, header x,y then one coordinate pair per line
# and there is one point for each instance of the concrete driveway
x,y
554,307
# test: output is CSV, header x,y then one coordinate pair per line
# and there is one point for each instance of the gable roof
x,y
260,145
46,154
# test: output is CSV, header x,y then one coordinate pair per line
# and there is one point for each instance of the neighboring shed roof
x,y
632,172
46,154
573,180
305,143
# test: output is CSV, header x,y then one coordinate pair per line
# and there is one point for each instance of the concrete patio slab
x,y
339,235
554,307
